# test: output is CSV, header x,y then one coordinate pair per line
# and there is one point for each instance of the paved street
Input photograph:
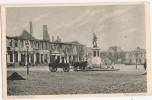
x,y
42,82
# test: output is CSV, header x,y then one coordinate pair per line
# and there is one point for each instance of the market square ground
x,y
43,82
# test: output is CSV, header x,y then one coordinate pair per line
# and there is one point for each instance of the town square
x,y
76,50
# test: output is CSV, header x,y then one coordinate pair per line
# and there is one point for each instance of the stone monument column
x,y
96,59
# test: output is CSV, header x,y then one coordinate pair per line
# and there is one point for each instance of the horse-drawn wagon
x,y
80,65
54,66
66,66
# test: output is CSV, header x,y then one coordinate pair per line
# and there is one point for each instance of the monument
x,y
95,60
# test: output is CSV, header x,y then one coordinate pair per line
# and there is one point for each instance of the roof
x,y
74,43
24,36
27,36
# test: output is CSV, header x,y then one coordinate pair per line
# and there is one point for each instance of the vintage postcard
x,y
60,50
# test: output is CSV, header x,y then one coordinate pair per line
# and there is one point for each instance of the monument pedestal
x,y
96,59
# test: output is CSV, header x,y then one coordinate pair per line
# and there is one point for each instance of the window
x,y
35,44
45,59
41,58
11,57
41,44
94,53
62,59
22,58
46,46
16,57
22,43
38,45
32,58
31,43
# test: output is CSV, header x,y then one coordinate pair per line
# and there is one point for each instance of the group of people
x,y
112,65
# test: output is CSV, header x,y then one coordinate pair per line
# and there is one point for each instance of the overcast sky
x,y
114,25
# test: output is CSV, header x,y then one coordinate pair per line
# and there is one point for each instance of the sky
x,y
114,25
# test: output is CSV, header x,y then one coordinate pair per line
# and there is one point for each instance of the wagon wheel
x,y
53,69
83,68
75,69
66,69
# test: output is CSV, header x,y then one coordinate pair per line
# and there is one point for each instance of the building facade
x,y
118,56
41,51
137,56
25,49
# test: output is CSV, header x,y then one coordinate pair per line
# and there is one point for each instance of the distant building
x,y
117,55
136,56
41,51
113,54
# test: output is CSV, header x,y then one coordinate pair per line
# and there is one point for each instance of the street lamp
x,y
27,46
14,53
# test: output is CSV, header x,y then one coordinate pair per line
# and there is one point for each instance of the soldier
x,y
94,41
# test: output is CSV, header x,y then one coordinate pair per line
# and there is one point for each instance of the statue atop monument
x,y
94,41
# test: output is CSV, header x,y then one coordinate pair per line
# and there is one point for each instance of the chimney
x,y
58,39
52,38
31,28
45,33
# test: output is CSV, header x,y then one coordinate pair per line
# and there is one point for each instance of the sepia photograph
x,y
75,49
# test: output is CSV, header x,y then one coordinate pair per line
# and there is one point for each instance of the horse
x,y
80,65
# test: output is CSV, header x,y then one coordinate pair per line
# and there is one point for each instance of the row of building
x,y
25,49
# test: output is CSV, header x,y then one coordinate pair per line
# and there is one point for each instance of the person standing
x,y
145,67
